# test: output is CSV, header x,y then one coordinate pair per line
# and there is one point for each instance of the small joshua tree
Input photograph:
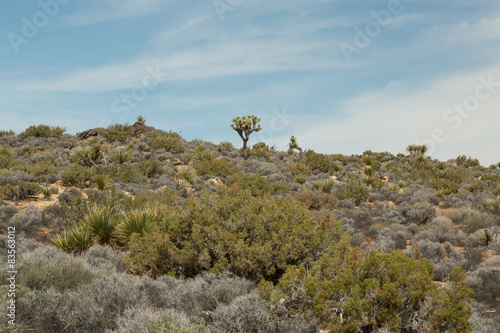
x,y
293,145
245,126
416,149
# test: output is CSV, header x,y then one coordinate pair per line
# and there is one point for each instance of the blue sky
x,y
343,76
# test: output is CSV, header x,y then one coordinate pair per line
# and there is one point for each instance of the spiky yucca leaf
x,y
75,240
137,221
101,222
188,174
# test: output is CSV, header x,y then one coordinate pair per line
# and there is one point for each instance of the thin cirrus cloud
x,y
94,11
215,61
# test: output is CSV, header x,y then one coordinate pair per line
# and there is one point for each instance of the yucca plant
x,y
392,187
137,221
369,179
367,160
5,151
26,150
102,223
337,167
24,167
102,181
82,156
327,185
299,178
492,205
75,240
367,170
188,174
401,183
121,156
47,191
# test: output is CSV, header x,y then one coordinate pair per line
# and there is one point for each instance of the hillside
x,y
134,229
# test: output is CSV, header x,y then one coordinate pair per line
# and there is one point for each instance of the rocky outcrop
x,y
87,134
140,128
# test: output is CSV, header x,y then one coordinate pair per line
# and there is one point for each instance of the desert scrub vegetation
x,y
251,237
351,291
44,131
345,243
170,141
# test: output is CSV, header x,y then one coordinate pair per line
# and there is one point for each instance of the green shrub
x,y
44,131
355,190
6,133
299,168
6,160
354,291
225,146
257,184
318,162
151,167
251,237
467,162
216,167
75,175
260,150
23,191
316,200
128,174
117,132
171,141
444,186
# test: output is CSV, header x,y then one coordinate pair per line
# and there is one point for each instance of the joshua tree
x,y
416,149
245,126
293,145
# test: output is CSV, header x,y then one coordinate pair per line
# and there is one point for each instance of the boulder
x,y
140,128
87,134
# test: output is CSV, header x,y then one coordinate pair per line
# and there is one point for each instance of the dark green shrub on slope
x,y
251,237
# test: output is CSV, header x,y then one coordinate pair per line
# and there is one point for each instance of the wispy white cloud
x,y
95,11
391,118
237,58
186,26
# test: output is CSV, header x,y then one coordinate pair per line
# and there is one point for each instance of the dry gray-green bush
x,y
246,314
47,267
150,320
105,257
419,213
28,220
389,240
441,230
481,324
